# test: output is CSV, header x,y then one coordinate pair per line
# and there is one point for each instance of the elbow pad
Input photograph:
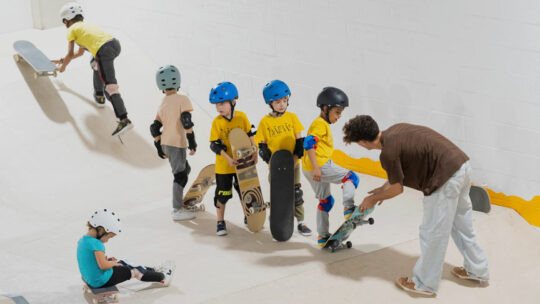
x,y
252,131
310,142
155,128
185,118
299,147
264,152
217,146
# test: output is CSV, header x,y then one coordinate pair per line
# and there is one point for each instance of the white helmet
x,y
70,10
106,219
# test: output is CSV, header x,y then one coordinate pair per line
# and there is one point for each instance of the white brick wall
x,y
470,69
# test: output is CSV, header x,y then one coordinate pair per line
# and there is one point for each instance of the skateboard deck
x,y
38,61
246,171
195,194
102,295
480,199
335,241
282,195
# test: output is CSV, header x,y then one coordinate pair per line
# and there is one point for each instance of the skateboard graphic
x,y
282,195
250,188
102,295
195,194
480,199
38,61
335,241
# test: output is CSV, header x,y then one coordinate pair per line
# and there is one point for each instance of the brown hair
x,y
361,127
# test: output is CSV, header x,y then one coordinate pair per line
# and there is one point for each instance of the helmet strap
x,y
232,111
326,113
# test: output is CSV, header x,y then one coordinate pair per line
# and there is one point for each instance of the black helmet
x,y
332,97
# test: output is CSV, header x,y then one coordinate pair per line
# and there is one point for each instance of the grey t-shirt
x,y
418,157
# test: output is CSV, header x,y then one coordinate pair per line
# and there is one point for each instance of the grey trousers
x,y
177,159
331,173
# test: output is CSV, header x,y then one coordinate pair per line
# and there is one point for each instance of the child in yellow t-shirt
x,y
104,48
282,130
225,96
174,115
318,167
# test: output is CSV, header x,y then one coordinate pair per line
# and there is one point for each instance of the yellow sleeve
x,y
247,125
70,34
297,125
214,134
261,133
318,130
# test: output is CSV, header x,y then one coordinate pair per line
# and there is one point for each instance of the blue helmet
x,y
168,77
275,90
222,92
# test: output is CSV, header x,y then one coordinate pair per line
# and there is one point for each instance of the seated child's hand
x,y
232,162
317,175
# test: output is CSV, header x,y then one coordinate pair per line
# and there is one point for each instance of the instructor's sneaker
x,y
182,215
303,229
462,273
407,284
221,228
347,212
123,126
321,240
100,100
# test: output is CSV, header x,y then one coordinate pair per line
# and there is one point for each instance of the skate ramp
x,y
59,163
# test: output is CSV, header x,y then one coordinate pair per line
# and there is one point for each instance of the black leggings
x,y
123,273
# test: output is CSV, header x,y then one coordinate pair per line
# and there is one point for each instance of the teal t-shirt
x,y
88,266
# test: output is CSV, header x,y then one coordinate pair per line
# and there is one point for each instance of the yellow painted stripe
x,y
529,210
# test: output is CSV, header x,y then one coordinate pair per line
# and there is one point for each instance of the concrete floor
x,y
60,163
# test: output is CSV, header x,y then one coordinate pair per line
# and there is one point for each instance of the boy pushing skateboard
x,y
104,49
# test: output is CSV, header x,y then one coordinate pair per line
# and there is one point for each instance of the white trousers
x,y
448,211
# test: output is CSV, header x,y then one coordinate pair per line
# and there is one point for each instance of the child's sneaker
x,y
347,212
221,228
100,100
123,126
321,240
182,215
168,272
303,229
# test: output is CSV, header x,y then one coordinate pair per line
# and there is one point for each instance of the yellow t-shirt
x,y
220,130
88,36
279,133
325,146
169,112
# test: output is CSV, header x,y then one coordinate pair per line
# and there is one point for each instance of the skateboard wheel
x,y
251,210
332,249
94,301
371,221
35,75
349,244
353,225
202,208
54,74
16,57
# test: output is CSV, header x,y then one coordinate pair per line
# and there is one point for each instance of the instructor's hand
x,y
368,203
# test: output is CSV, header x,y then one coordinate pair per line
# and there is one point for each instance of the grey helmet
x,y
168,77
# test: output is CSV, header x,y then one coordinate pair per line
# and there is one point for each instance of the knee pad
x,y
181,177
298,193
352,177
326,204
112,89
135,274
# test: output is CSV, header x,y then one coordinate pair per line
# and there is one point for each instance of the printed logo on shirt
x,y
278,130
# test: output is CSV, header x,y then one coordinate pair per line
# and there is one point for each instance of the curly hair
x,y
361,127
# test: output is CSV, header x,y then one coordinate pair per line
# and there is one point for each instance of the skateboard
x,y
30,53
250,188
195,194
102,295
335,241
282,195
480,199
